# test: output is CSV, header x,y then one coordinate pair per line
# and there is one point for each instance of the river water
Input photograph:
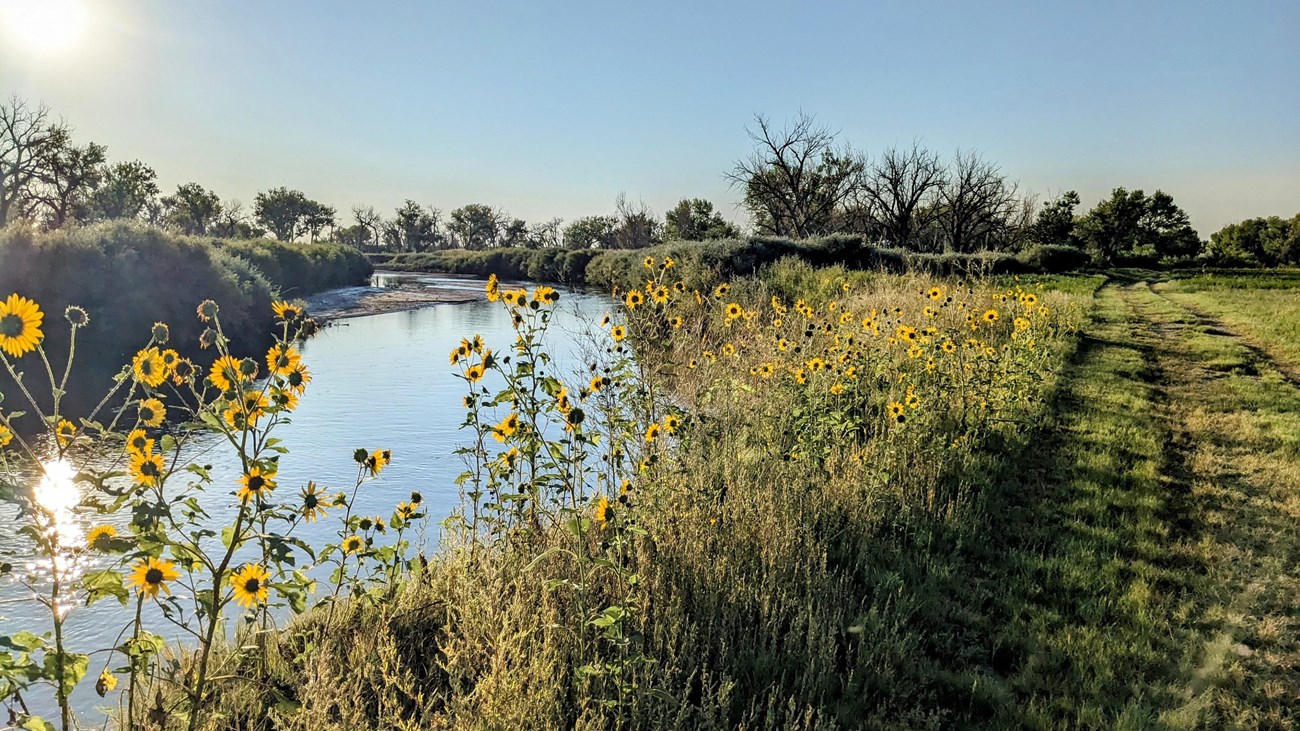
x,y
379,381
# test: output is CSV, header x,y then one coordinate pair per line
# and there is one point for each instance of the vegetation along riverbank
x,y
816,498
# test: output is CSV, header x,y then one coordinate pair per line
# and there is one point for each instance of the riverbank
x,y
396,292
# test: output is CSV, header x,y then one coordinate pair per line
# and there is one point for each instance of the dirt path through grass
x,y
1207,464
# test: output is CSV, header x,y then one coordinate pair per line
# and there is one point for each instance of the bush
x,y
128,276
1054,258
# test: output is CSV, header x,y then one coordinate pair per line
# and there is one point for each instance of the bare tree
x,y
797,177
371,221
638,227
25,134
899,194
976,204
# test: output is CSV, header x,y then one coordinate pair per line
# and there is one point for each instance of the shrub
x,y
1054,258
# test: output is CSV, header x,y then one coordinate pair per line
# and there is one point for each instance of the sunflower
x,y
474,373
20,326
660,295
152,574
76,316
314,502
816,364
506,428
648,262
1021,323
378,460
98,532
766,370
672,423
254,404
949,347
225,372
604,511
255,483
352,544
493,288
281,359
287,400
618,333
405,510
733,311
652,432
913,401
633,299
6,435
64,432
907,333
286,311
105,683
990,315
298,379
837,389
1028,299
935,293
545,295
149,368
897,412
147,468
721,290
250,584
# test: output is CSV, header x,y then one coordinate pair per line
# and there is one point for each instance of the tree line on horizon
x,y
800,181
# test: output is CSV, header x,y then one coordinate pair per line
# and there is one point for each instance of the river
x,y
379,381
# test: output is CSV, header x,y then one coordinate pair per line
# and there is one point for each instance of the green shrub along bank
x,y
129,276
721,259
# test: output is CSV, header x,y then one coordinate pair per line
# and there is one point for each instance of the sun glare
x,y
44,27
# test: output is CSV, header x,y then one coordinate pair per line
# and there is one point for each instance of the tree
x,y
1054,225
232,223
515,233
316,219
369,220
283,212
192,209
900,194
546,235
68,177
976,205
128,191
475,226
24,135
797,178
1130,224
591,232
414,228
636,226
1268,241
694,219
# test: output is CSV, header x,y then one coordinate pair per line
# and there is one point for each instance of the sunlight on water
x,y
56,494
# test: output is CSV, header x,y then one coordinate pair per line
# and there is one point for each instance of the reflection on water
x,y
378,382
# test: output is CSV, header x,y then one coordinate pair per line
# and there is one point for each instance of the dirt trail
x,y
1232,485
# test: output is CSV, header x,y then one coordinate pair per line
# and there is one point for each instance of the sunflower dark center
x,y
295,379
149,469
252,585
11,326
146,413
310,501
153,576
256,482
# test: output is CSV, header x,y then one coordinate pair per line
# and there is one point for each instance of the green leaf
x,y
102,584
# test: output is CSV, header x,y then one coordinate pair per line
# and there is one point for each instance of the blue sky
x,y
552,109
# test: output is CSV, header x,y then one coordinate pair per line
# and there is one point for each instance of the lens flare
x,y
44,27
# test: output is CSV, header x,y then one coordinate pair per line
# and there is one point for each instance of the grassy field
x,y
818,498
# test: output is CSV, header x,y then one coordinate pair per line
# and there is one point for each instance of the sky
x,y
553,108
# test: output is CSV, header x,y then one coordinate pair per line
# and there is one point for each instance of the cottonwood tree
x,y
318,218
414,228
25,134
128,190
233,223
1054,225
591,232
693,219
192,209
976,205
371,223
475,226
68,177
797,177
1132,224
1270,241
546,235
284,212
637,227
900,193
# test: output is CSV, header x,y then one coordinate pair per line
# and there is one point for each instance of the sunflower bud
x,y
160,332
76,316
